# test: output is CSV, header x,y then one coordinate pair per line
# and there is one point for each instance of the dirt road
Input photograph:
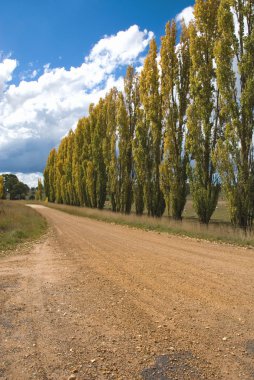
x,y
101,301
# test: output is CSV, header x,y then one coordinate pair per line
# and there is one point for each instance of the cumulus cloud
x,y
186,15
7,66
35,114
122,48
30,179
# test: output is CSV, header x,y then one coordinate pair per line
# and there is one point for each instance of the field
x,y
18,223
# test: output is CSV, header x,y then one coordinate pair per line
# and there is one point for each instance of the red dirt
x,y
100,301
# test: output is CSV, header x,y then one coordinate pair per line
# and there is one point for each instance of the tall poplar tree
x,y
110,149
61,193
138,133
235,72
96,170
86,161
50,176
140,152
70,188
39,192
80,154
124,159
140,155
132,100
203,111
1,187
151,103
175,68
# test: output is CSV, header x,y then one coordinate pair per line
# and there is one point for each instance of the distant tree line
x,y
12,188
186,120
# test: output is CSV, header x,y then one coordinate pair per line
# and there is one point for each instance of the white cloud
x,y
186,15
122,47
7,66
34,74
35,114
30,179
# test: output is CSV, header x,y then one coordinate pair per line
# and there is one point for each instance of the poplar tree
x,y
96,170
124,158
110,149
138,133
64,186
90,169
151,102
39,192
1,187
99,135
61,196
235,72
47,183
140,155
203,111
70,188
132,100
86,158
78,179
50,176
175,67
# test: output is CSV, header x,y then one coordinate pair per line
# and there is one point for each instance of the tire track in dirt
x,y
101,301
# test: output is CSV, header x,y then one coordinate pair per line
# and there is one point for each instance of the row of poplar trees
x,y
186,119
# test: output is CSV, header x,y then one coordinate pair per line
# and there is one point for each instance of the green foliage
x,y
98,129
60,184
203,112
175,68
78,158
110,149
235,72
152,124
39,192
188,125
140,154
49,176
131,93
125,144
14,188
2,195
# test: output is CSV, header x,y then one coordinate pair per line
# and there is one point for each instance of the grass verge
x,y
18,223
217,231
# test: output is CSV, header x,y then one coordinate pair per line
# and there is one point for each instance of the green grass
x,y
18,223
219,230
221,214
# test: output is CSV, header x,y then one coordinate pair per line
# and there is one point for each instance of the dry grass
x,y
18,223
219,230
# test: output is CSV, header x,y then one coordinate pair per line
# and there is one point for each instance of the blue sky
x,y
58,56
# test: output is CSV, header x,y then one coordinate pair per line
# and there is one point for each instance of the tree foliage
x,y
152,124
39,191
235,72
50,176
186,121
175,68
14,188
203,112
2,193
